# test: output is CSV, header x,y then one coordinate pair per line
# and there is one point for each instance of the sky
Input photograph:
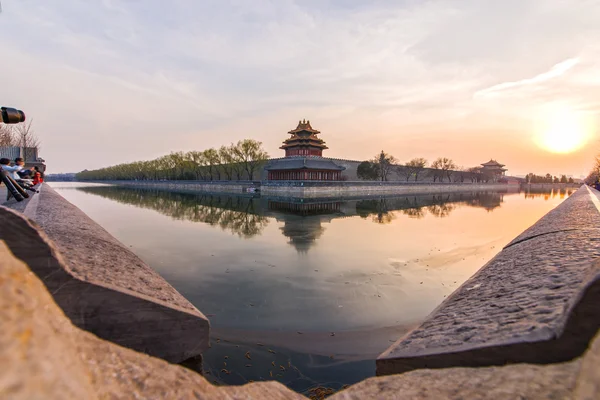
x,y
113,81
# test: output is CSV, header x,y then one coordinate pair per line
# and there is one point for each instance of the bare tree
x,y
474,174
403,172
198,160
7,136
226,160
251,155
443,167
415,167
26,138
237,163
211,156
385,162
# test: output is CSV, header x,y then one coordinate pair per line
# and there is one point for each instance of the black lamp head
x,y
11,115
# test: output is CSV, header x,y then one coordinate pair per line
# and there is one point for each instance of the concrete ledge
x,y
231,187
535,302
102,286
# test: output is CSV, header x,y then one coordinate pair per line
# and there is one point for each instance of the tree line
x,y
385,165
548,178
238,161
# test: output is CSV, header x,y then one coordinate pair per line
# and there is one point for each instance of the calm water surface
x,y
318,289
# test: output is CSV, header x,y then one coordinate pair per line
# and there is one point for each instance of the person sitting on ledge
x,y
22,173
38,176
13,172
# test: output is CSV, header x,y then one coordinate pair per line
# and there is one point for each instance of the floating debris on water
x,y
320,392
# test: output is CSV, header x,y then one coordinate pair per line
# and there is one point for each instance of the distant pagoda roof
x,y
304,136
297,162
304,126
493,163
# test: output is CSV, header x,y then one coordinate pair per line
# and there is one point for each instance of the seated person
x,y
23,173
12,170
38,176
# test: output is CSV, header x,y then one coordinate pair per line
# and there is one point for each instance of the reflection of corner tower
x,y
304,158
303,232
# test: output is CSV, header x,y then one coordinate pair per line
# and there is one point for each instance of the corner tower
x,y
304,141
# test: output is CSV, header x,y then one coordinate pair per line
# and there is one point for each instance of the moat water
x,y
309,293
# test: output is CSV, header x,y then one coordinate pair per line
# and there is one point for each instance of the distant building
x,y
493,169
304,158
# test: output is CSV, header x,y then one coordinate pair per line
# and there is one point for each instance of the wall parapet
x,y
102,286
535,302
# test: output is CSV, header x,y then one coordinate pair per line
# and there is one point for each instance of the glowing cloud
x,y
554,72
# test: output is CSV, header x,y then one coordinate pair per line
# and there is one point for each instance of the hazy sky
x,y
122,80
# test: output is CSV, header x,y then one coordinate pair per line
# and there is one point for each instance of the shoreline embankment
x,y
313,189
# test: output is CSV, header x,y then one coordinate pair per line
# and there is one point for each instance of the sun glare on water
x,y
563,132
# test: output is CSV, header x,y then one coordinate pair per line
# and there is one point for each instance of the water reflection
x,y
247,216
236,214
547,194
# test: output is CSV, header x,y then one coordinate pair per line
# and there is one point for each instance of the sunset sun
x,y
563,132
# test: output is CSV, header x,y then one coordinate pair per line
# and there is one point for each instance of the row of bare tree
x,y
241,160
20,135
548,178
382,166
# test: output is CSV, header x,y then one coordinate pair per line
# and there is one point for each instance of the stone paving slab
x,y
535,302
102,286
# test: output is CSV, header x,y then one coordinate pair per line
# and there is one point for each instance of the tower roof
x,y
304,136
492,163
303,125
